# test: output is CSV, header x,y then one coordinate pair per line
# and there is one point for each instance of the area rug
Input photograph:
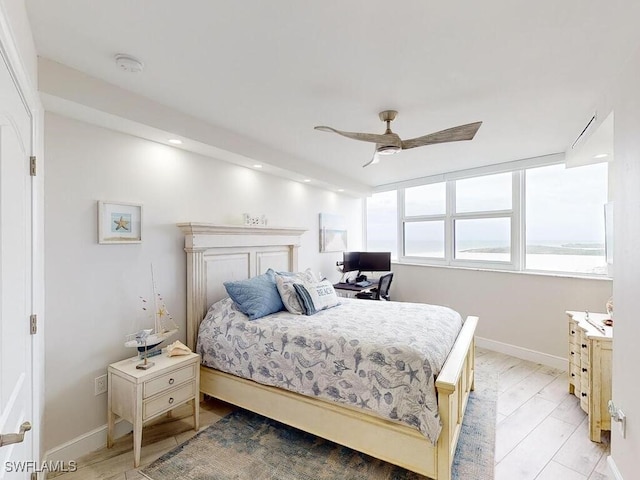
x,y
244,445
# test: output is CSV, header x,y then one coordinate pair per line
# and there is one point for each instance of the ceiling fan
x,y
389,143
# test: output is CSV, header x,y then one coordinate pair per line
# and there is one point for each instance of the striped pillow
x,y
316,296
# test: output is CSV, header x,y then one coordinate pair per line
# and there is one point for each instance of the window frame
x,y
515,214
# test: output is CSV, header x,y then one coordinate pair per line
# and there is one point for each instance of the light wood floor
x,y
541,432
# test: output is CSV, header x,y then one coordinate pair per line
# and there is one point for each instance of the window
x,y
484,239
535,217
565,218
382,218
482,218
425,200
424,239
487,193
424,220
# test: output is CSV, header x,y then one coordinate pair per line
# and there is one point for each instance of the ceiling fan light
x,y
388,149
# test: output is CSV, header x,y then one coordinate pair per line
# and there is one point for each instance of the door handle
x,y
9,438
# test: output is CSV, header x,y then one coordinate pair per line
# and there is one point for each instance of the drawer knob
x,y
170,400
171,380
584,345
573,353
573,374
573,332
584,370
583,394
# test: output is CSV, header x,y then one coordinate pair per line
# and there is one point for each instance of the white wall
x,y
626,381
92,289
523,310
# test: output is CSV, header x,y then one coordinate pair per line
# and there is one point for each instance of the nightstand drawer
x,y
168,400
169,380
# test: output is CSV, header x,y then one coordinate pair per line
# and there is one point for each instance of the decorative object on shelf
x,y
609,308
178,348
119,222
333,233
148,340
257,220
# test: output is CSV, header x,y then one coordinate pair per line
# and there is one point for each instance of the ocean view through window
x,y
543,218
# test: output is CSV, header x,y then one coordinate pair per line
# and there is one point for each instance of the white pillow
x,y
316,296
284,283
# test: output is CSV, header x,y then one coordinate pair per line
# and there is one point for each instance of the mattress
x,y
382,357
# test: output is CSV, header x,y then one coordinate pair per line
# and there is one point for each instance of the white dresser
x,y
590,349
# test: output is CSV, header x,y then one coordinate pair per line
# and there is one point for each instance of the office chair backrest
x,y
384,284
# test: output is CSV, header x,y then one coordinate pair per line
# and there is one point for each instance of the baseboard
x,y
86,443
613,468
524,353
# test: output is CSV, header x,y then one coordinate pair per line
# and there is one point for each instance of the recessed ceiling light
x,y
306,180
601,155
341,189
175,141
257,165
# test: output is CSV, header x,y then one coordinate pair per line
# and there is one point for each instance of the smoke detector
x,y
127,63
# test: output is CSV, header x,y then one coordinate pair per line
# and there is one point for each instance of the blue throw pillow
x,y
257,296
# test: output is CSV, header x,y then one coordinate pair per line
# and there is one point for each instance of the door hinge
x,y
32,166
33,324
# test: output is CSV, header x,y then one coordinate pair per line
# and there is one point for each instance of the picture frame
x,y
333,233
119,222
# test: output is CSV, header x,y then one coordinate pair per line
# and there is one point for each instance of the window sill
x,y
507,271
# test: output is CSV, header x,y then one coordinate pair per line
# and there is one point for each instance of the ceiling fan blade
x,y
454,134
365,137
375,159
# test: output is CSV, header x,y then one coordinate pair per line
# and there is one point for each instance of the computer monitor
x,y
350,261
375,262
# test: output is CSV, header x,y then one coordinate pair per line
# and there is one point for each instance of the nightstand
x,y
142,395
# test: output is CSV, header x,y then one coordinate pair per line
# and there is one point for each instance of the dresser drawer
x,y
168,400
574,354
574,375
574,335
169,380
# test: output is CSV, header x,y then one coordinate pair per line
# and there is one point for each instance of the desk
x,y
349,290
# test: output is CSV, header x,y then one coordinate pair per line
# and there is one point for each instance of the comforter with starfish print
x,y
382,357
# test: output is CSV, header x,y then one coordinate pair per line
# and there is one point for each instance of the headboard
x,y
217,253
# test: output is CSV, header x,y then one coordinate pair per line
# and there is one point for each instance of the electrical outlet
x,y
100,384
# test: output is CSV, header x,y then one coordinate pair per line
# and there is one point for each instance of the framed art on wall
x,y
119,222
333,233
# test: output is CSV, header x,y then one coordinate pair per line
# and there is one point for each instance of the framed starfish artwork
x,y
119,222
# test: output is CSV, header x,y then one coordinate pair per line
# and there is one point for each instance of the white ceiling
x,y
269,71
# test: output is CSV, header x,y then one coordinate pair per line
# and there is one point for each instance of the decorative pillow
x,y
288,294
307,276
316,296
257,296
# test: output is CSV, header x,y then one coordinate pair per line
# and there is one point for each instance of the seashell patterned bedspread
x,y
382,357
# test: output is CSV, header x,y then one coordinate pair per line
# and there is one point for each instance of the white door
x,y
16,369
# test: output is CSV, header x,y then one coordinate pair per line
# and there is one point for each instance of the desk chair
x,y
381,292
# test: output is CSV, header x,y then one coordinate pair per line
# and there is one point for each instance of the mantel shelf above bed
x,y
208,235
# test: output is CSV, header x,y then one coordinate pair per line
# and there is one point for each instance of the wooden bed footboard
x,y
356,429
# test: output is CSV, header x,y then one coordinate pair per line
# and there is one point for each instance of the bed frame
x,y
219,253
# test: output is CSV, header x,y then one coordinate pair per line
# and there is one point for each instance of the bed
x,y
221,253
